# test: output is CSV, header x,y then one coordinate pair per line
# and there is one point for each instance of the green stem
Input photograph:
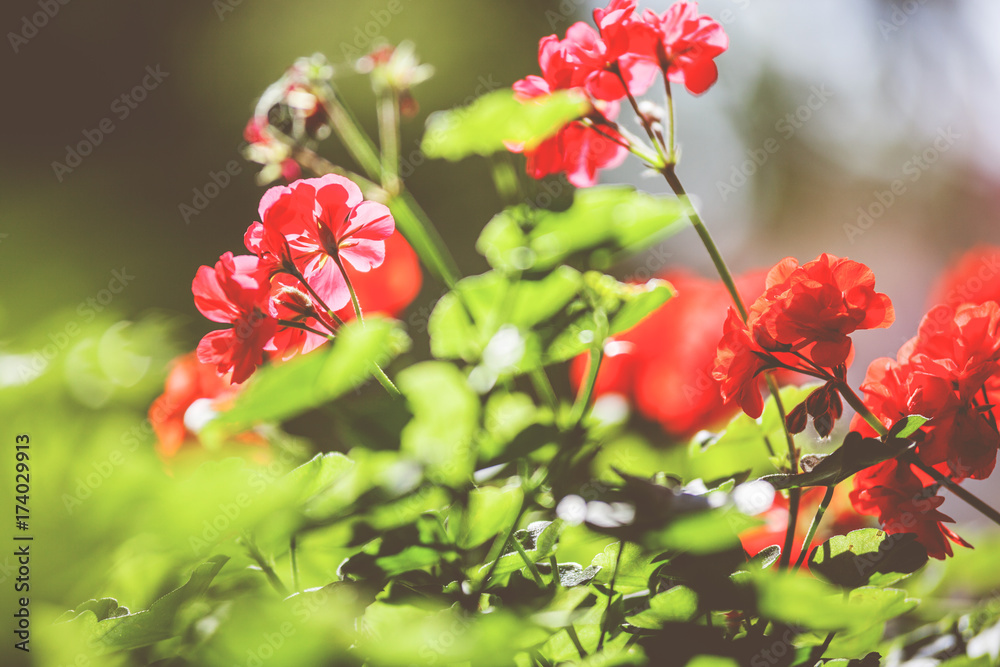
x,y
535,574
587,391
388,128
953,486
575,638
794,498
671,150
423,235
384,380
265,567
358,144
350,287
611,595
706,238
814,526
543,387
410,218
293,555
497,549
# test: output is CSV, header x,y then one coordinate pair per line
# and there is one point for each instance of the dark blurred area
x,y
199,68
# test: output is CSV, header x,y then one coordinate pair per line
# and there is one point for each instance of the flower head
x,y
313,226
687,45
803,320
235,291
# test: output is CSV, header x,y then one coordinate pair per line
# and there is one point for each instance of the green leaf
x,y
120,633
490,511
538,540
907,426
805,602
634,568
867,556
465,320
854,455
445,420
602,225
483,127
677,604
765,557
282,391
315,475
571,574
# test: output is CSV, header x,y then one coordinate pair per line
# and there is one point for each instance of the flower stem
x,y
350,287
265,567
814,526
706,238
412,221
611,595
529,563
671,150
544,388
972,499
388,129
292,553
794,499
596,356
384,380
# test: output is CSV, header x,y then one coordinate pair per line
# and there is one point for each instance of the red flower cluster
x,y
621,58
314,235
803,322
949,372
663,365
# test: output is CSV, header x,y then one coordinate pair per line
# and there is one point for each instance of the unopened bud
x,y
295,301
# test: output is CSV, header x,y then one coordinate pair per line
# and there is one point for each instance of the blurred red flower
x,y
188,381
664,364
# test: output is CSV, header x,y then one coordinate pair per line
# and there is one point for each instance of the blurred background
x,y
857,127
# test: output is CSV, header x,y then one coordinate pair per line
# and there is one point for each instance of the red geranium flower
x,y
234,292
974,278
816,306
316,222
188,381
687,44
904,503
631,44
802,321
945,373
576,149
